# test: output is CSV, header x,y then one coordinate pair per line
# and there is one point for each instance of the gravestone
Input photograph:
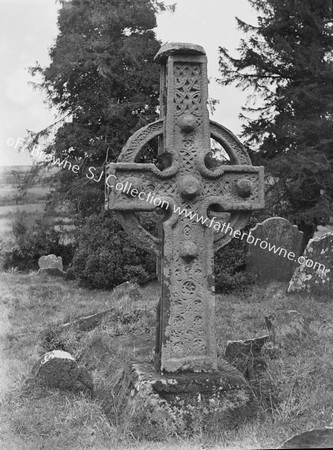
x,y
186,351
315,274
274,265
51,264
58,369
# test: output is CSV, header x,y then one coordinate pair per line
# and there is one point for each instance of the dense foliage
x,y
287,62
105,257
29,243
229,267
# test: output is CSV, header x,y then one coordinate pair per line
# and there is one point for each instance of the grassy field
x,y
32,204
300,383
11,203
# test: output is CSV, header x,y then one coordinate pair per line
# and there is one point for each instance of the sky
x,y
28,29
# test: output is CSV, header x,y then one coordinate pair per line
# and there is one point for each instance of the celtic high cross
x,y
186,339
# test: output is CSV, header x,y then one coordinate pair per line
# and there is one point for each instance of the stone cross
x,y
186,333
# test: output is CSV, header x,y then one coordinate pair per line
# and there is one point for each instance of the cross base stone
x,y
221,397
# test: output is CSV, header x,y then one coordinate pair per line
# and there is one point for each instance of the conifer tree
x,y
286,62
103,77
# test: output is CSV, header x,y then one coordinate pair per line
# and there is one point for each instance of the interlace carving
x,y
188,98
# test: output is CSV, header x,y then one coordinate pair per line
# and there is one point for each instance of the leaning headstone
x,y
270,263
52,265
58,369
315,275
320,438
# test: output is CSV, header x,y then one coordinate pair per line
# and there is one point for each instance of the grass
x,y
295,391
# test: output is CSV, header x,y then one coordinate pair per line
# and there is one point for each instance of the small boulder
x,y
58,369
320,438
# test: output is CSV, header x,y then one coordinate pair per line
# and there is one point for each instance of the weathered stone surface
x,y
223,395
287,327
175,47
322,230
265,264
58,369
320,438
246,356
316,275
50,262
253,346
186,338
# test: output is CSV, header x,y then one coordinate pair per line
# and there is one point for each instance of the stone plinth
x,y
223,396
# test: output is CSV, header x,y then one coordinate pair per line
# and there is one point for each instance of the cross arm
x,y
236,188
133,187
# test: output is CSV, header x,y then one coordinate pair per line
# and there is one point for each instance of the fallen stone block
x,y
320,438
58,369
239,348
245,356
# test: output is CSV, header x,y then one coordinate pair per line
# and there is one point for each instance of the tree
x,y
287,61
103,79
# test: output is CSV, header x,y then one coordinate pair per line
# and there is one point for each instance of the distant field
x,y
33,202
10,210
9,195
